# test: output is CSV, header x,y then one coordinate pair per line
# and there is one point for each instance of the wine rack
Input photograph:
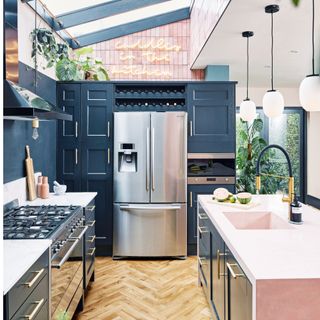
x,y
157,97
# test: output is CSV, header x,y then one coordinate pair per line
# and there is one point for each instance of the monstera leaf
x,y
66,70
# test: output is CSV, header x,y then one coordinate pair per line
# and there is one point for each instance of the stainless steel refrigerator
x,y
150,181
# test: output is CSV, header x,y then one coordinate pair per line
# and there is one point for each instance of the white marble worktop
x,y
271,253
69,198
18,257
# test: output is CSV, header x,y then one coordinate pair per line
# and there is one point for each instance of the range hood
x,y
20,103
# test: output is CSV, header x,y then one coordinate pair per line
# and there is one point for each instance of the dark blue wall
x,y
17,134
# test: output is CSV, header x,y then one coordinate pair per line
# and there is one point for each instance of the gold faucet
x,y
290,178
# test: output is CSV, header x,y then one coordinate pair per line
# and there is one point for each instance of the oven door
x,y
67,277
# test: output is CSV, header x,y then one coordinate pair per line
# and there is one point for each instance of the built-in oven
x,y
67,269
211,168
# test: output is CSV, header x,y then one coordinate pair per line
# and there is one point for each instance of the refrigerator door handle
x,y
152,161
144,207
148,159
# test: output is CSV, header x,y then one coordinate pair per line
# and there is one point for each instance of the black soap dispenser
x,y
295,208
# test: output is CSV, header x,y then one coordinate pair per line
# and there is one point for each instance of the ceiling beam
x,y
103,10
132,27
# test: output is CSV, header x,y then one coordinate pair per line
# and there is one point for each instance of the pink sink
x,y
256,220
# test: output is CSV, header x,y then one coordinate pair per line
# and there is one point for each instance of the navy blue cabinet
x,y
85,149
193,192
211,116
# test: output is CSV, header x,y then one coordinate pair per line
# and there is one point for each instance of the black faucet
x,y
291,178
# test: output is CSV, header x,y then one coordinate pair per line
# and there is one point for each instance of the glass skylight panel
x,y
58,7
127,17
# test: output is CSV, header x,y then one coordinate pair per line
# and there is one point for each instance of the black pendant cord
x,y
313,65
247,98
272,88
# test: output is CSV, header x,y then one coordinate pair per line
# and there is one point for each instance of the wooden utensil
x,y
31,184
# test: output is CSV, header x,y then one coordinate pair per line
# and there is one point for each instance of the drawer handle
x,y
219,254
90,208
92,239
203,230
92,223
233,274
35,310
92,252
200,261
203,216
35,278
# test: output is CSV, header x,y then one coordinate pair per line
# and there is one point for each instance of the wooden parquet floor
x,y
145,290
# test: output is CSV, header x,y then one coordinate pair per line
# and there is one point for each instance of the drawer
x,y
204,236
35,303
27,283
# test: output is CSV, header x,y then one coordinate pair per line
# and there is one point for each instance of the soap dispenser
x,y
295,211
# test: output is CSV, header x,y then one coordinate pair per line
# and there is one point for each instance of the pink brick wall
x,y
204,16
161,53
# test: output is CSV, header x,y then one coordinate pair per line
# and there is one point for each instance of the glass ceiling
x,y
65,7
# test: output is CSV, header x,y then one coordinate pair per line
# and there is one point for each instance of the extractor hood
x,y
20,103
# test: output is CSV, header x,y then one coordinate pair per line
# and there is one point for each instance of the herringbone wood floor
x,y
145,290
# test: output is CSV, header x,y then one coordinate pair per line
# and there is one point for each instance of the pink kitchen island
x,y
280,260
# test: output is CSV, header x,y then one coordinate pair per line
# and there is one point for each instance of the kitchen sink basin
x,y
256,220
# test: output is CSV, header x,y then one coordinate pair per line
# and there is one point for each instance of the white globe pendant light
x,y
273,102
309,91
247,107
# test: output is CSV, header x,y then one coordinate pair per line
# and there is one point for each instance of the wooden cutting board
x,y
31,184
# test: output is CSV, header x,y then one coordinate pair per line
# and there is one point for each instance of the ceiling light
x,y
309,91
273,103
247,107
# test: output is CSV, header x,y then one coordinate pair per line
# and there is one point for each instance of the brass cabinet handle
x,y
203,216
92,239
92,252
219,254
91,223
108,129
191,200
35,310
76,129
90,208
35,278
233,274
203,230
108,155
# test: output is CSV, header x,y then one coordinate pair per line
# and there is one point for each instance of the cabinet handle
x,y
92,252
203,230
203,216
191,196
152,161
108,155
148,159
91,208
108,129
219,254
233,274
76,129
76,156
35,278
190,128
92,239
92,223
200,261
35,310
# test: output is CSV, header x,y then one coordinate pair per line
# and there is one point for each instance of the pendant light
x,y
247,107
309,91
273,103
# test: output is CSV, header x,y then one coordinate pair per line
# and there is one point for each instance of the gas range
x,y
36,222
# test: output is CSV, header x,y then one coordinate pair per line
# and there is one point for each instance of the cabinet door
x,y
96,156
211,115
193,192
239,291
218,273
68,146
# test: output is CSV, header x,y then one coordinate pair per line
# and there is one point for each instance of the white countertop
x,y
70,198
18,257
271,254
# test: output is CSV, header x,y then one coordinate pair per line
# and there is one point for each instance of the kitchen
x,y
140,181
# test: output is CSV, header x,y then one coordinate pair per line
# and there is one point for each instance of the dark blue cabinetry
x,y
85,149
211,116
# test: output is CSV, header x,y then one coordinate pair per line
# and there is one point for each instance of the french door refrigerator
x,y
150,181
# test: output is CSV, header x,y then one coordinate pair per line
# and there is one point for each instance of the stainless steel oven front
x,y
67,271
